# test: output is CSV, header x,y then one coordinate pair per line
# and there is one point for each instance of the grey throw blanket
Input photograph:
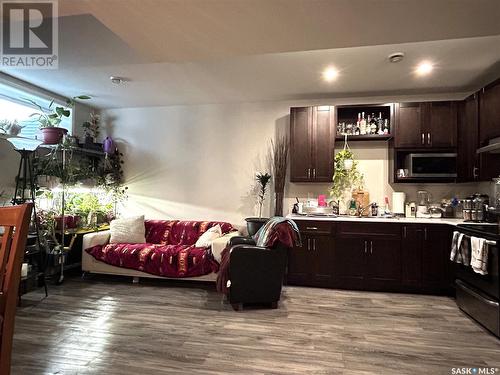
x,y
460,249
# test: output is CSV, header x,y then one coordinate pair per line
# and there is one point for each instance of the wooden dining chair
x,y
15,222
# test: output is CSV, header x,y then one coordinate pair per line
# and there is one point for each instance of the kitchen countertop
x,y
403,220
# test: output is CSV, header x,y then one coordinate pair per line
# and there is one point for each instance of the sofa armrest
x,y
95,238
220,244
241,240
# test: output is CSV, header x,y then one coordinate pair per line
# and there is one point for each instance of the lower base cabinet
x,y
370,256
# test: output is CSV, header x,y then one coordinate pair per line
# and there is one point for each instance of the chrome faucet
x,y
361,210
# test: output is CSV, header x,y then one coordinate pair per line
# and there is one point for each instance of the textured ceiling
x,y
199,51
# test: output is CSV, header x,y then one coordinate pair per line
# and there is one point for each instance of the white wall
x,y
199,162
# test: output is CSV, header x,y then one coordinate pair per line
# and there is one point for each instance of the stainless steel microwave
x,y
431,165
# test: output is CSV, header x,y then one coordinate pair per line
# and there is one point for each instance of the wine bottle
x,y
362,127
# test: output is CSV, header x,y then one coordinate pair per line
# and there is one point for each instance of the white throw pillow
x,y
128,230
209,236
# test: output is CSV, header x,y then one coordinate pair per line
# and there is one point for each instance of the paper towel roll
x,y
398,202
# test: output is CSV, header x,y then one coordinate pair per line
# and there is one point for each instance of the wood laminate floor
x,y
109,326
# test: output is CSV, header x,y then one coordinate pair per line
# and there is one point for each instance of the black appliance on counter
x,y
479,295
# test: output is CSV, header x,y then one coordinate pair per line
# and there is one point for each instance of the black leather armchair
x,y
256,273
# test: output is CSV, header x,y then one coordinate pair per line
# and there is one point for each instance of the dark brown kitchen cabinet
x,y
425,251
426,125
349,265
408,130
367,256
383,263
468,139
311,144
436,265
312,263
489,112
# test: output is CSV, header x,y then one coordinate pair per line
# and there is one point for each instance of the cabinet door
x,y
489,113
323,143
468,140
349,262
301,144
408,131
301,263
440,127
411,256
383,264
322,247
436,264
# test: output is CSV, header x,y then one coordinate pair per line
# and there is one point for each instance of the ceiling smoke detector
x,y
396,57
117,80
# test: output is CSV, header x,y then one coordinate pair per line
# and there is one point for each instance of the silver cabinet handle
x,y
371,247
314,244
308,172
423,138
425,234
429,138
366,247
308,244
311,228
475,172
314,172
404,231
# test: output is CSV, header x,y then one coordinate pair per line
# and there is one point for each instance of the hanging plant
x,y
346,176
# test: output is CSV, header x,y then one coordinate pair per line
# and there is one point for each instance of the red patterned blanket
x,y
170,250
157,259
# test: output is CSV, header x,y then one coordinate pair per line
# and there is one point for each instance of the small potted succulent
x,y
50,118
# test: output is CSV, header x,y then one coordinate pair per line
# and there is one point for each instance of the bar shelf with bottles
x,y
367,122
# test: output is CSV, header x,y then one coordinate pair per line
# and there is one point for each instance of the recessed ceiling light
x,y
330,74
396,57
117,80
424,68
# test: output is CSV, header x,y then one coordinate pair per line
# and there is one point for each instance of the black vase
x,y
254,224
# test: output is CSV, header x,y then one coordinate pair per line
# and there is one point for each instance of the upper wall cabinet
x,y
489,113
426,125
468,137
311,144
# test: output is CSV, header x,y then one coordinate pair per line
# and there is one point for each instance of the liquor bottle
x,y
362,126
358,123
380,122
386,126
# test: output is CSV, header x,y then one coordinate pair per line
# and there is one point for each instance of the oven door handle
x,y
462,285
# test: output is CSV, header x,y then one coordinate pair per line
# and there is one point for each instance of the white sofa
x,y
92,265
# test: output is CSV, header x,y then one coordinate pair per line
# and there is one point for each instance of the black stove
x,y
485,230
479,295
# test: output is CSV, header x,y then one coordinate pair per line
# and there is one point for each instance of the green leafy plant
x,y
345,179
263,179
91,127
52,116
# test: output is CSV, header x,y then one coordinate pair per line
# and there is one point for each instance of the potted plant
x,y
91,129
50,118
255,223
10,127
346,176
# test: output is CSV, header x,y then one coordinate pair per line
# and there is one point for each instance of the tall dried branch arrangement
x,y
279,150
